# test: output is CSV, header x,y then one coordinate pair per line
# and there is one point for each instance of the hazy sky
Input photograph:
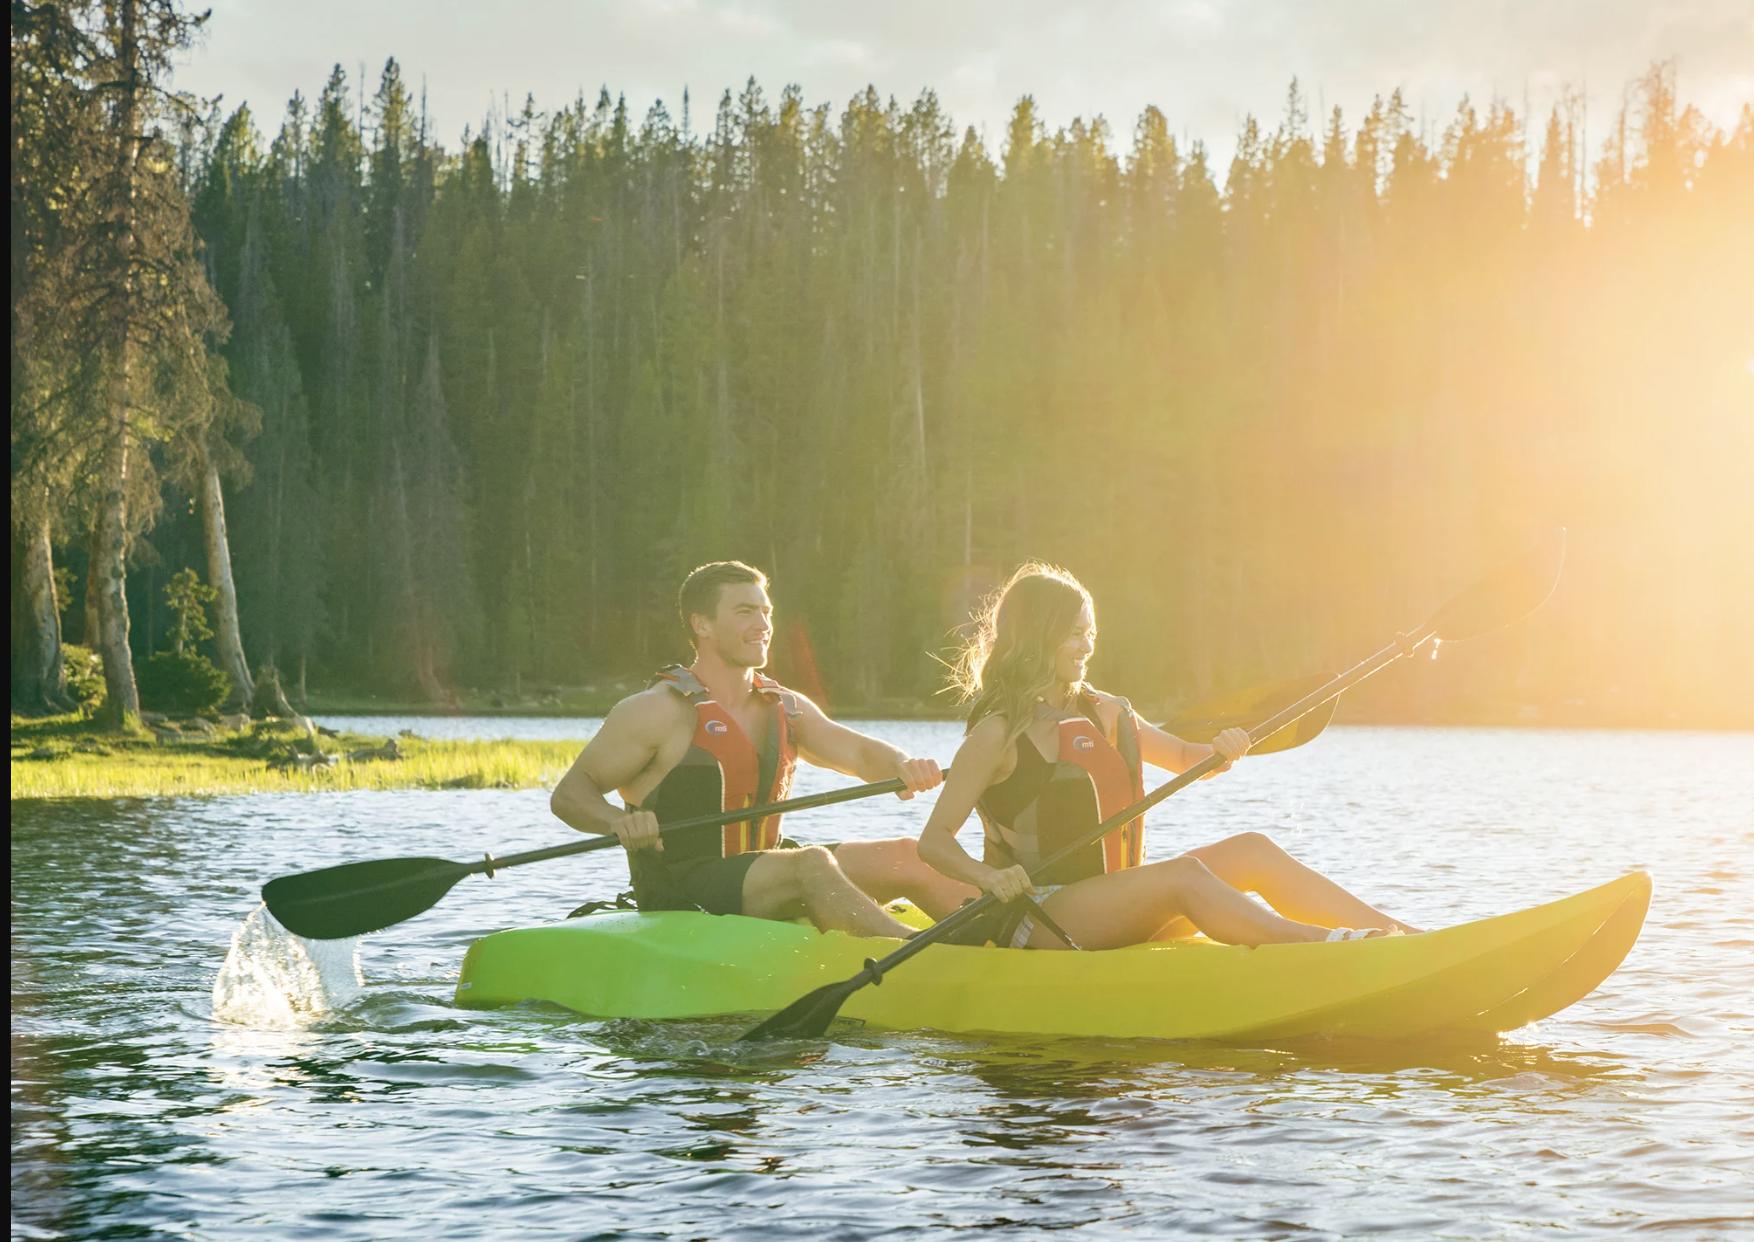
x,y
1205,63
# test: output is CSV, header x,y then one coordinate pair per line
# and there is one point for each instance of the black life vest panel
x,y
723,770
1097,774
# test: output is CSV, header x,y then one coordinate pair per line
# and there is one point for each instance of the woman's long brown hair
x,y
1006,662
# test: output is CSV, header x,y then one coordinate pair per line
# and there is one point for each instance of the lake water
x,y
136,1112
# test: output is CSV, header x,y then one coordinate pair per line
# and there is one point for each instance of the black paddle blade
x,y
808,1016
1201,722
355,898
1508,595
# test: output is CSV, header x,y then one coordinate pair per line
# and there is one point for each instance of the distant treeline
x,y
483,407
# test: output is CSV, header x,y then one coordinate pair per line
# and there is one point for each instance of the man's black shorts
x,y
714,885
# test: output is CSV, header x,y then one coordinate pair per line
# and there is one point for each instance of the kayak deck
x,y
1487,976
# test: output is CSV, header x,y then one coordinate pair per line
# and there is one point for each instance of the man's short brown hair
x,y
700,590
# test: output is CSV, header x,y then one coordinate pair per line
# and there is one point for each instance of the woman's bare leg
x,y
891,869
1132,906
1176,929
1252,863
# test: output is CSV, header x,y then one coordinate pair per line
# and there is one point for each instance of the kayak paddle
x,y
352,899
1493,602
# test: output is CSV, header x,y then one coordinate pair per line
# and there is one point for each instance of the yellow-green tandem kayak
x,y
1492,975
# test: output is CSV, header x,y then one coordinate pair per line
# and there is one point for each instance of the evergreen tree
x,y
121,310
509,393
50,141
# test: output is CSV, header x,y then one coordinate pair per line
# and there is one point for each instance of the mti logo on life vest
x,y
717,726
1083,743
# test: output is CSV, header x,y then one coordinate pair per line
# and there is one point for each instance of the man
x,y
718,735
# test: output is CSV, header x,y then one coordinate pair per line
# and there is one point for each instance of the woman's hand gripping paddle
x,y
1492,603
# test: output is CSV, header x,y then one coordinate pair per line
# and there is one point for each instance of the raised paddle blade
x,y
1205,720
809,1016
355,898
1238,707
1304,729
1508,595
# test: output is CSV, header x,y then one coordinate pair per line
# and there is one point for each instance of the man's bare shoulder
x,y
807,706
653,711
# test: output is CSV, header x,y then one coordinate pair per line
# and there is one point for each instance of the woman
x,y
1046,758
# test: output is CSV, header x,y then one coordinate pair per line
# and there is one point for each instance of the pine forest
x,y
431,417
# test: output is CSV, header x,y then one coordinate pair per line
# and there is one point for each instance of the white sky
x,y
1205,63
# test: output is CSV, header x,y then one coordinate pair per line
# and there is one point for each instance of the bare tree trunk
x,y
592,633
416,623
110,547
39,680
88,635
270,697
228,638
122,706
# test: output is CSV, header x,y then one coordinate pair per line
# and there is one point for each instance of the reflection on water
x,y
164,1085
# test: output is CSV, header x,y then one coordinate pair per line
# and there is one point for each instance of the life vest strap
x,y
1046,920
749,775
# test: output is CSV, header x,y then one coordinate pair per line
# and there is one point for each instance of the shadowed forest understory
x,y
470,414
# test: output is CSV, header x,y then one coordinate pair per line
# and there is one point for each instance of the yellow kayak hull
x,y
1487,976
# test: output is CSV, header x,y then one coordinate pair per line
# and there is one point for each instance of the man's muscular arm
x,y
829,744
623,748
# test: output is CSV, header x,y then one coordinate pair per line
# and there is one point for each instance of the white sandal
x,y
1357,933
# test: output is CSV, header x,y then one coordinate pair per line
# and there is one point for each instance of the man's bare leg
x,y
892,869
783,884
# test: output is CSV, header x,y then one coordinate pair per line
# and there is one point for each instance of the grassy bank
x,y
65,757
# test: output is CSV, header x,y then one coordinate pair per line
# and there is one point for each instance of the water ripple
x,y
163,1082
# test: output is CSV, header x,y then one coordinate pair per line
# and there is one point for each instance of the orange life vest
x,y
1097,774
723,770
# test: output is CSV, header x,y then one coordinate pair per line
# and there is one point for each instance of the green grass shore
x,y
68,757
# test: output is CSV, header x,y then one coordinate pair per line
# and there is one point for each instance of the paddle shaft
x,y
335,884
490,864
353,899
1405,645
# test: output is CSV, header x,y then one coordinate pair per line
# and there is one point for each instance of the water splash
x,y
274,980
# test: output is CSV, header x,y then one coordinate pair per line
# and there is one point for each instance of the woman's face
x,y
1073,655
